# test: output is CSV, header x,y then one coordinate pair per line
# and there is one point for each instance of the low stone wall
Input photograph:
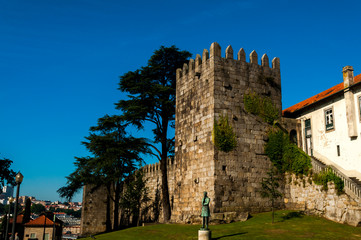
x,y
301,195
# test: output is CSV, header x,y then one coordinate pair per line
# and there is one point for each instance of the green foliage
x,y
270,187
262,107
135,196
37,208
7,175
285,155
27,211
326,176
223,136
116,155
152,97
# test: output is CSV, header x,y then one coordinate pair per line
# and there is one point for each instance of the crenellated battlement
x,y
201,64
153,169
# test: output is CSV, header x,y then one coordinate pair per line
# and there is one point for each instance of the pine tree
x,y
152,92
270,187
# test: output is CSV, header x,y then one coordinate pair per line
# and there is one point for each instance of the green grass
x,y
288,225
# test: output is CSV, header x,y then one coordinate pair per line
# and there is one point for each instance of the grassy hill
x,y
288,225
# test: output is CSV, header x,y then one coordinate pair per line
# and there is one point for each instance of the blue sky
x,y
60,62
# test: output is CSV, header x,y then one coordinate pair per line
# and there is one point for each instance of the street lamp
x,y
11,200
18,179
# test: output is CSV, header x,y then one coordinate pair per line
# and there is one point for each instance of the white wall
x,y
325,143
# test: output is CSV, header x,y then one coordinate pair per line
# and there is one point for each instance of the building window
x,y
46,236
32,235
329,119
308,137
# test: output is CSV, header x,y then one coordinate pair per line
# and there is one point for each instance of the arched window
x,y
293,136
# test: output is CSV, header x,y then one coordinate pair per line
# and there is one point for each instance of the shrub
x,y
286,156
260,106
223,136
326,176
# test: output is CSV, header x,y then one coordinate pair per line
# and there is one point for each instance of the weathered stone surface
x,y
328,204
204,235
94,210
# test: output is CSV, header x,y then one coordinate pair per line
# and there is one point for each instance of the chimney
x,y
349,101
347,76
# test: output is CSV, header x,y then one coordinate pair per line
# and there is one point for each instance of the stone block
x,y
204,235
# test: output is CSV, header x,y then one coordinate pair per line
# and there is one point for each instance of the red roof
x,y
335,89
40,221
19,219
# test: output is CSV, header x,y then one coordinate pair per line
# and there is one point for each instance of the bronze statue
x,y
205,211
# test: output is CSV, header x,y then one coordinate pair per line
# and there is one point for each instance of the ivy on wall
x,y
326,176
285,155
223,136
260,106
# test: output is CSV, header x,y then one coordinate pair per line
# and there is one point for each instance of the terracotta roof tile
x,y
40,222
19,219
335,89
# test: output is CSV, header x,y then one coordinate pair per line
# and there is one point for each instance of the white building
x,y
331,124
7,191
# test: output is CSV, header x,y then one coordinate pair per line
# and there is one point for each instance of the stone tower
x,y
208,87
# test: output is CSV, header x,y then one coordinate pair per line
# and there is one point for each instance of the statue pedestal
x,y
204,235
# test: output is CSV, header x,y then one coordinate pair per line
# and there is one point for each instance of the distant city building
x,y
7,191
22,199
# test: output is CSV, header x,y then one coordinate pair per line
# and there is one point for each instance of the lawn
x,y
288,225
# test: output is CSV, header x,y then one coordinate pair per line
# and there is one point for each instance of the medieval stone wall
x,y
238,174
94,210
153,177
303,195
208,87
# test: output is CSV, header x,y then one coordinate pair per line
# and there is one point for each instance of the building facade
x,y
331,124
43,228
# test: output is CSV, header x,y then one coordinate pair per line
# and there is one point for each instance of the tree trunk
x,y
163,167
165,190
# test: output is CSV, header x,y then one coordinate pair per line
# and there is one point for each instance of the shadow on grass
x,y
291,215
230,235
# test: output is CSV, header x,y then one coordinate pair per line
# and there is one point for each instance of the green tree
x,y
152,91
27,211
37,208
115,157
135,197
285,155
6,174
270,187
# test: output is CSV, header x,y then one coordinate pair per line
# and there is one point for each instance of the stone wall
x,y
94,210
301,195
238,174
153,177
206,88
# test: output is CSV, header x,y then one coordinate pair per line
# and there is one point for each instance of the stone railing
x,y
317,165
350,186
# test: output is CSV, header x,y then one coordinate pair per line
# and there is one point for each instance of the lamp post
x,y
18,179
11,200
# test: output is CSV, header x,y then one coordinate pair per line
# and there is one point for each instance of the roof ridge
x,y
318,97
